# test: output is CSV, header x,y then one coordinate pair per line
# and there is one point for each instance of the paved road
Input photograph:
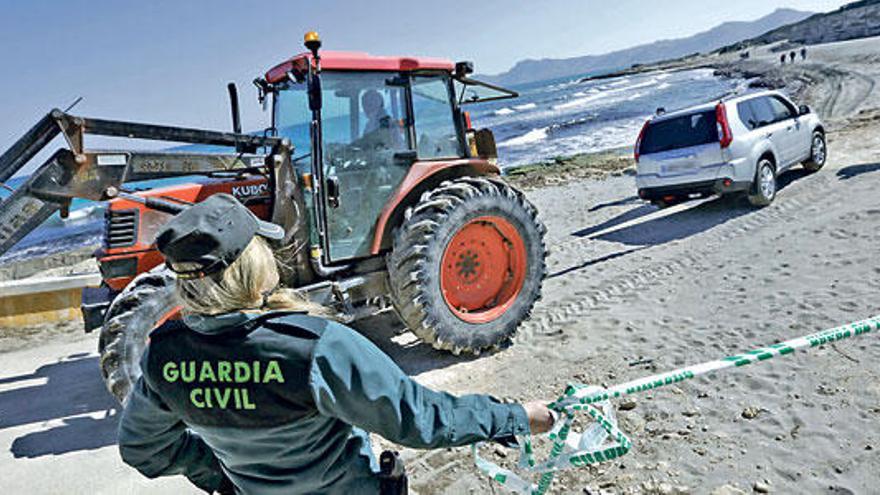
x,y
58,426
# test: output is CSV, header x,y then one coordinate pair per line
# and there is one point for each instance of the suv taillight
x,y
725,137
639,140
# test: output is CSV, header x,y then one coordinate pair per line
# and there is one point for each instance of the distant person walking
x,y
782,59
792,55
804,53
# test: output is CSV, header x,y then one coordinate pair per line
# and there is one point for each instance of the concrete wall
x,y
46,300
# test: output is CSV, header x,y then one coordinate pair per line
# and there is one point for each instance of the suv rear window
x,y
680,132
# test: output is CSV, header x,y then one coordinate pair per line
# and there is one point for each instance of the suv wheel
x,y
818,153
764,187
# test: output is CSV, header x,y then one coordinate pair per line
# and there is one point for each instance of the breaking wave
x,y
532,136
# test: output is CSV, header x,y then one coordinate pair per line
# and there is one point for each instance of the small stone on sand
x,y
751,412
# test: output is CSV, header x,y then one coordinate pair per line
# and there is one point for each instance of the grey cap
x,y
211,234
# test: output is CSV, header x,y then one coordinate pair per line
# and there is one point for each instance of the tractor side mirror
x,y
464,69
804,110
485,142
263,89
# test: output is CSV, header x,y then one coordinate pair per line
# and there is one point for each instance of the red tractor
x,y
388,196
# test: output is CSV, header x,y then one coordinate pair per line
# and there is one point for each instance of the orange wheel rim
x,y
483,269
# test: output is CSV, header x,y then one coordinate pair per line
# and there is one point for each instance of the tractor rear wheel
x,y
142,306
467,264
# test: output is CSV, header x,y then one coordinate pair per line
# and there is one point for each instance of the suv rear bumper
x,y
717,186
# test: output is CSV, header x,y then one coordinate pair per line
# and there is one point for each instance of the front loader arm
x,y
99,175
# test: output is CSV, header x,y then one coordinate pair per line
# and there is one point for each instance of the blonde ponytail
x,y
249,283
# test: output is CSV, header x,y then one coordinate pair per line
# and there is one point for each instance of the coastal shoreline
x,y
583,166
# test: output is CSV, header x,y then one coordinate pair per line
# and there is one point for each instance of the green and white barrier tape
x,y
603,440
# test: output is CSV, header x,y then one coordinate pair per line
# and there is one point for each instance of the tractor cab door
x,y
375,125
366,155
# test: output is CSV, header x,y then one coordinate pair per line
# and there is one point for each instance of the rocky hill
x,y
722,35
855,20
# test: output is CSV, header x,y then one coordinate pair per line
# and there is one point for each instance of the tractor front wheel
x,y
142,306
467,264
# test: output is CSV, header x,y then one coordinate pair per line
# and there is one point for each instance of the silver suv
x,y
737,145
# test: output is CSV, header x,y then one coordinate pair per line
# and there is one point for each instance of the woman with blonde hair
x,y
254,390
250,283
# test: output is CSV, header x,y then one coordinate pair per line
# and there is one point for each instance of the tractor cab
x,y
360,122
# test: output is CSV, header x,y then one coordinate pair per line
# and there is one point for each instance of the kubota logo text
x,y
249,190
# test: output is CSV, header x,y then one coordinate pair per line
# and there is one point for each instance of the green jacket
x,y
281,403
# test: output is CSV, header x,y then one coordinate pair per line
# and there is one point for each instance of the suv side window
x,y
781,110
762,112
744,109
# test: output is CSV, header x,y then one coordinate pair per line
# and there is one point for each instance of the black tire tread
x,y
810,165
755,197
132,315
407,262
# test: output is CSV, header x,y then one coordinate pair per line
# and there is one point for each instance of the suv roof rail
x,y
733,93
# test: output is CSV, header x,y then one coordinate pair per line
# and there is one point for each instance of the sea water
x,y
83,227
564,117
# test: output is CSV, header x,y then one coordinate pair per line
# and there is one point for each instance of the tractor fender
x,y
421,176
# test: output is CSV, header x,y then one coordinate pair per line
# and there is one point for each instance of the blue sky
x,y
169,61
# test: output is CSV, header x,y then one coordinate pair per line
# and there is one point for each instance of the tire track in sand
x,y
445,467
848,89
552,312
448,467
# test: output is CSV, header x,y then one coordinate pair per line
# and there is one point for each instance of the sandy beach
x,y
632,290
629,283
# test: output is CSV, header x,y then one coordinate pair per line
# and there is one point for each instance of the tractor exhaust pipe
x,y
233,105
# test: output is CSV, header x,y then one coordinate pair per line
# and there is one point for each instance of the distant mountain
x,y
853,20
722,35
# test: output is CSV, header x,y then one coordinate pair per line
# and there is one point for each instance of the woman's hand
x,y
541,418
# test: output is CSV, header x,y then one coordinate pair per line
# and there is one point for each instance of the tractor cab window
x,y
366,143
293,119
436,133
363,112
